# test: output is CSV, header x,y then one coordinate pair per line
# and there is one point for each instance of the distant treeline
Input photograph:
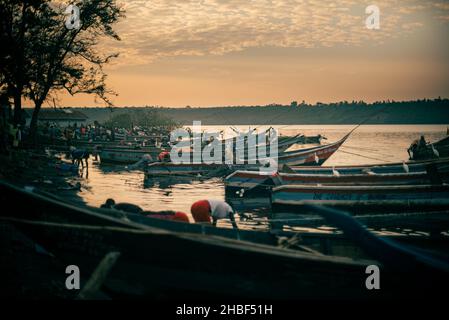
x,y
426,111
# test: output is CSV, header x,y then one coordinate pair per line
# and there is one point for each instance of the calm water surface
x,y
368,144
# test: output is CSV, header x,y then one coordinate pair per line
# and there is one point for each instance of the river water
x,y
368,144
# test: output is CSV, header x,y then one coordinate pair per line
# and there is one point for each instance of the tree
x,y
67,58
17,20
144,118
294,104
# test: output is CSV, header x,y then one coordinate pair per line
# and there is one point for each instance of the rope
x,y
366,150
360,155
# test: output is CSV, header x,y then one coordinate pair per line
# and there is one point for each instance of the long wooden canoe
x,y
311,156
396,167
157,263
435,150
125,155
260,184
362,199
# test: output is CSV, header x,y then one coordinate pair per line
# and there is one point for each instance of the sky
x,y
201,53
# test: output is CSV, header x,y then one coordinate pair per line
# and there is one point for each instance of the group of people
x,y
202,211
93,132
136,136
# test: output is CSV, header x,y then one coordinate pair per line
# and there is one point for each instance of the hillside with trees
x,y
435,111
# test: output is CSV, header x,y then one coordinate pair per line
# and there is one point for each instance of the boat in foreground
x,y
163,264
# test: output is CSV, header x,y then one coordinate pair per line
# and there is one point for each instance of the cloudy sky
x,y
249,52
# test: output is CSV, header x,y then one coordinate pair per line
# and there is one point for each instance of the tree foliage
x,y
142,118
44,57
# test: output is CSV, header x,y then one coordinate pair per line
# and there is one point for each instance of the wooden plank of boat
x,y
359,193
418,198
154,260
416,221
259,183
411,166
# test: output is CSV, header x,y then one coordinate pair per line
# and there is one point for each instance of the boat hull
x,y
360,193
307,157
255,183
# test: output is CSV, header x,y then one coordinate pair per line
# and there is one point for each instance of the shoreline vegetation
x,y
426,111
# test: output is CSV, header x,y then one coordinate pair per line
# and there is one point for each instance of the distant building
x,y
62,117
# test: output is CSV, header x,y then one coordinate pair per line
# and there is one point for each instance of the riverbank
x,y
421,112
37,169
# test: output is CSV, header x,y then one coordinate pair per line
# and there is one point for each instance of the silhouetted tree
x,y
40,56
68,58
18,21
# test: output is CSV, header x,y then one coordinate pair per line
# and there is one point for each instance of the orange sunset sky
x,y
249,52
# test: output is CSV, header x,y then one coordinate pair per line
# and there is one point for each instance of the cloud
x,y
167,28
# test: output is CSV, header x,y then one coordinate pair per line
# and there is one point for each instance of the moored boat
x,y
376,199
127,156
421,150
394,167
260,183
307,157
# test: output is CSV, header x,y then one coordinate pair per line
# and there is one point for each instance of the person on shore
x,y
211,211
78,155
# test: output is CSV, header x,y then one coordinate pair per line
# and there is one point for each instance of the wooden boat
x,y
127,156
158,263
361,199
396,167
326,243
385,208
312,139
307,157
435,150
260,184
